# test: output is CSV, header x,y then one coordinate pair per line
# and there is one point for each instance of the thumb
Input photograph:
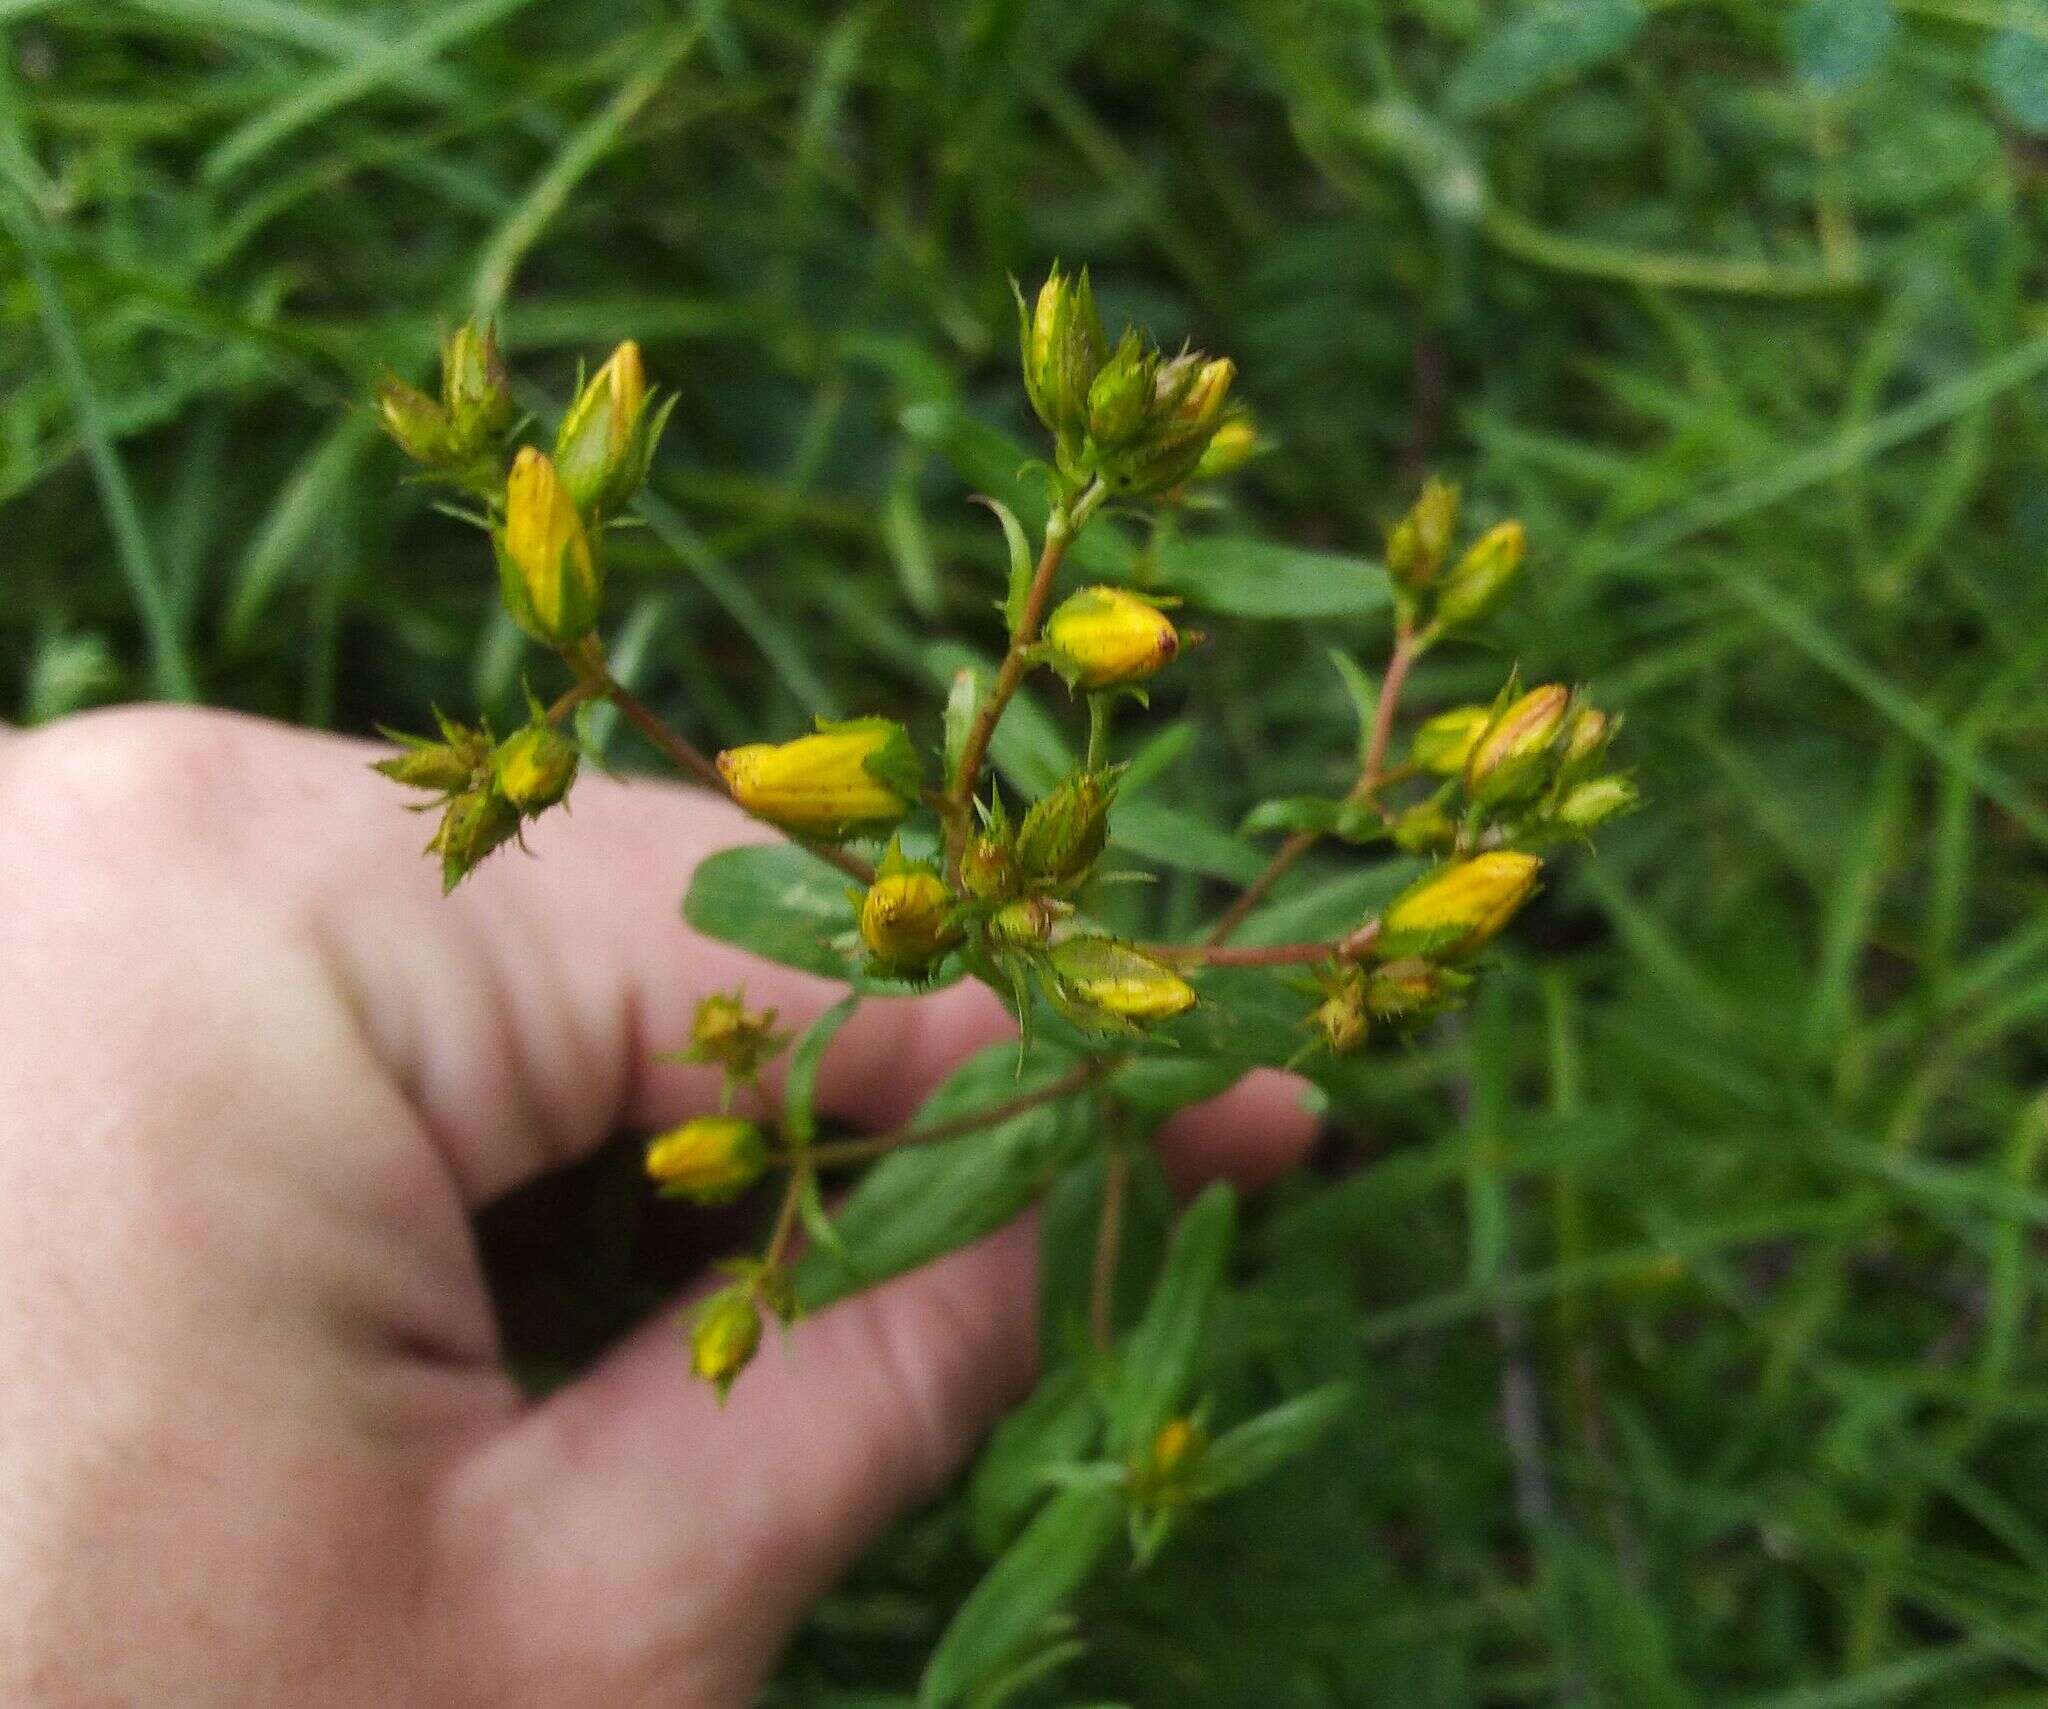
x,y
632,1534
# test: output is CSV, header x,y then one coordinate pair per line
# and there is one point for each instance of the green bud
x,y
419,426
1064,833
1234,444
474,825
725,1337
1481,581
1592,803
1586,736
1424,828
474,388
1419,542
1341,1017
1026,923
1412,989
458,761
987,871
1064,347
1121,395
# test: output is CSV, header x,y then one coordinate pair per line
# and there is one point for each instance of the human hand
x,y
256,1442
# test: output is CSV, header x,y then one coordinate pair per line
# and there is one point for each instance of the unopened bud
x,y
709,1161
987,871
847,778
1423,828
535,767
907,920
1189,394
1479,584
1026,923
1586,736
1064,348
546,570
1341,1016
1104,983
1588,805
740,1040
458,762
1234,444
607,439
1514,755
1066,830
474,388
1419,542
1453,911
1104,636
1411,989
1121,395
474,825
419,425
725,1336
1444,743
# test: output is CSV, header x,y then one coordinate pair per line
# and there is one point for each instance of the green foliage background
x,y
1728,1201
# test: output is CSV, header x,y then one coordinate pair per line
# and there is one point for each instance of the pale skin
x,y
256,1443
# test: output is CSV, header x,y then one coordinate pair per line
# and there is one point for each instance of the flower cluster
x,y
950,879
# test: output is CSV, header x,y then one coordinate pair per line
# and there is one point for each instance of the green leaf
x,y
1260,1445
799,1092
1021,564
1156,1363
1177,839
963,701
1541,47
1834,43
2015,70
1057,1426
783,903
1243,577
1364,695
924,1201
1045,1566
1292,813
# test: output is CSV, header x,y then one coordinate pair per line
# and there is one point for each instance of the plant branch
x,y
1409,645
1109,1235
864,1150
1347,948
1061,529
786,1218
686,757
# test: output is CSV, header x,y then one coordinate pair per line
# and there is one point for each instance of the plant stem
x,y
1109,1236
1346,948
684,755
1061,528
864,1150
1099,709
786,1218
1409,645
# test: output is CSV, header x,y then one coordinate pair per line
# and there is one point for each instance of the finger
x,y
521,1016
633,1498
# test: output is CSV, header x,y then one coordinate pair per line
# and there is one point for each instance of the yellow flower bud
x,y
546,569
846,778
1027,923
1458,908
1231,446
608,436
1103,636
474,825
1481,581
739,1040
1585,739
906,921
1444,743
535,767
725,1337
474,389
710,1161
1103,983
1419,542
1513,756
1176,1448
